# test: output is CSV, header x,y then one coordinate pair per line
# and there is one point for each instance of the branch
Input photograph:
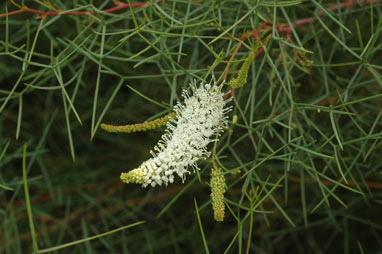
x,y
75,13
285,28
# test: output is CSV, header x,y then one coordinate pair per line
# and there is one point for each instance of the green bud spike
x,y
241,79
149,125
217,193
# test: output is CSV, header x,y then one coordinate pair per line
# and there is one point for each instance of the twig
x,y
75,13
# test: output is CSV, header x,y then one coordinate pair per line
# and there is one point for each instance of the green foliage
x,y
301,156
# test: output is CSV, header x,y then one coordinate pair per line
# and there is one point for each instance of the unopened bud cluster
x,y
217,193
149,125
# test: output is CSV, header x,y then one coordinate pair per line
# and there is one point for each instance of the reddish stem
x,y
11,13
76,13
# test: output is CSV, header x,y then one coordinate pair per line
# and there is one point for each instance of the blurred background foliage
x,y
302,162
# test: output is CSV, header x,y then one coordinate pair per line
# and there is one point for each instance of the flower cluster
x,y
197,123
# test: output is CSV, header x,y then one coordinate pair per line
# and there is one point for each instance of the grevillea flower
x,y
198,122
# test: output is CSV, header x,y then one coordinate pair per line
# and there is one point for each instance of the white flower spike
x,y
198,122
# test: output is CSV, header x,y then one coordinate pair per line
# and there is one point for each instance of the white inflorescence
x,y
198,122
